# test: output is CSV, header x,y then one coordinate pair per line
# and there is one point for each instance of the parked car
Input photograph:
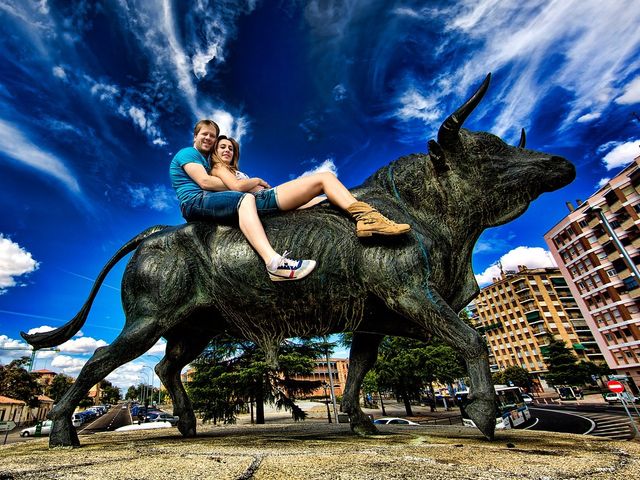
x,y
151,414
613,398
163,417
88,415
393,421
77,420
527,398
31,431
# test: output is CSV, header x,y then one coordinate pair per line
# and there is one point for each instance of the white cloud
x,y
339,93
201,59
621,155
67,365
407,12
602,182
229,125
16,146
158,349
519,39
82,345
59,72
631,93
157,197
327,166
532,257
587,117
42,329
15,261
11,349
414,105
104,92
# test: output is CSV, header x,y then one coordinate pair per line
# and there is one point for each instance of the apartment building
x,y
596,249
518,312
339,370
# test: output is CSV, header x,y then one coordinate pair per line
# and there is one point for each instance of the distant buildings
x,y
596,248
519,311
339,370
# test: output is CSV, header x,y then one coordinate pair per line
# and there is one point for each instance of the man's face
x,y
203,141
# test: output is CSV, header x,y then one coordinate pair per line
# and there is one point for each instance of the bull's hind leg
x,y
133,341
180,351
435,315
364,352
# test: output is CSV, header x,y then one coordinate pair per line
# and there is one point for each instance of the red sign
x,y
615,386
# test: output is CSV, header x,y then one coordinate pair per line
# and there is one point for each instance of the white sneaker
x,y
289,269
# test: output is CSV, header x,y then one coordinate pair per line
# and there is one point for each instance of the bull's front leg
x,y
364,352
432,313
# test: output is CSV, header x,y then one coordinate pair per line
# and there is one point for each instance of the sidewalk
x,y
317,412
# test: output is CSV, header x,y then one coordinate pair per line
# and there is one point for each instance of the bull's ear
x,y
436,153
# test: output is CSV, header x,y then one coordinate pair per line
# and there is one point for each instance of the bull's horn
x,y
450,128
523,139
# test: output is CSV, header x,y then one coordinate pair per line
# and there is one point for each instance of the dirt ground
x,y
313,450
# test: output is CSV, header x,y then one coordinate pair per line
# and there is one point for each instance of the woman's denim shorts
x,y
223,206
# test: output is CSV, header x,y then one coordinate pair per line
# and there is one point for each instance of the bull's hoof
x,y
364,428
482,410
63,435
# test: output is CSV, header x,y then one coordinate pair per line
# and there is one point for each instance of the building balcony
x,y
570,306
628,223
558,282
540,332
525,298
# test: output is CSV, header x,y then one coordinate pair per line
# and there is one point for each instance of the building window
x,y
630,283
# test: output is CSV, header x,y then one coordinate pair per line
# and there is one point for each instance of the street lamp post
x,y
159,381
326,401
331,385
151,395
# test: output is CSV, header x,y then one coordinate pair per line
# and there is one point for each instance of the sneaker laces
x,y
286,262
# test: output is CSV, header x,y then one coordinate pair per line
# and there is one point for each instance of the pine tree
x,y
562,365
231,375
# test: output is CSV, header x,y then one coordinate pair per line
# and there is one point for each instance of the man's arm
x,y
205,181
238,185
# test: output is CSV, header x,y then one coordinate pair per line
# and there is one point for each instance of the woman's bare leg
x,y
312,202
298,192
301,192
252,228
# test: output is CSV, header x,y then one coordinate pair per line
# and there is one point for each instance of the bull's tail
x,y
68,330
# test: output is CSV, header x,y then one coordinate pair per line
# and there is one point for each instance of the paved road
x,y
116,417
609,424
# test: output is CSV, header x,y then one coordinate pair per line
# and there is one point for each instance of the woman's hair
x,y
233,166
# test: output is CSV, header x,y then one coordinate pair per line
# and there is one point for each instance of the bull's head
x,y
497,180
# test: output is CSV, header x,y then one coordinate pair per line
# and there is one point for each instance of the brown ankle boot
x,y
369,221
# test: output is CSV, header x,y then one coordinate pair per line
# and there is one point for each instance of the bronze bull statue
x,y
192,282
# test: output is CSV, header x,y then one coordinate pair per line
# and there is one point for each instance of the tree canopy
x,y
564,368
59,385
17,383
518,376
232,374
406,366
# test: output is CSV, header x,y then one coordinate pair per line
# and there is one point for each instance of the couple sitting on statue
x,y
210,187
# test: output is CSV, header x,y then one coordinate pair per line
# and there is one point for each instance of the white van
x,y
77,420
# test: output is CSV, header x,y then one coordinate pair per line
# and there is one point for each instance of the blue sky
x,y
96,97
